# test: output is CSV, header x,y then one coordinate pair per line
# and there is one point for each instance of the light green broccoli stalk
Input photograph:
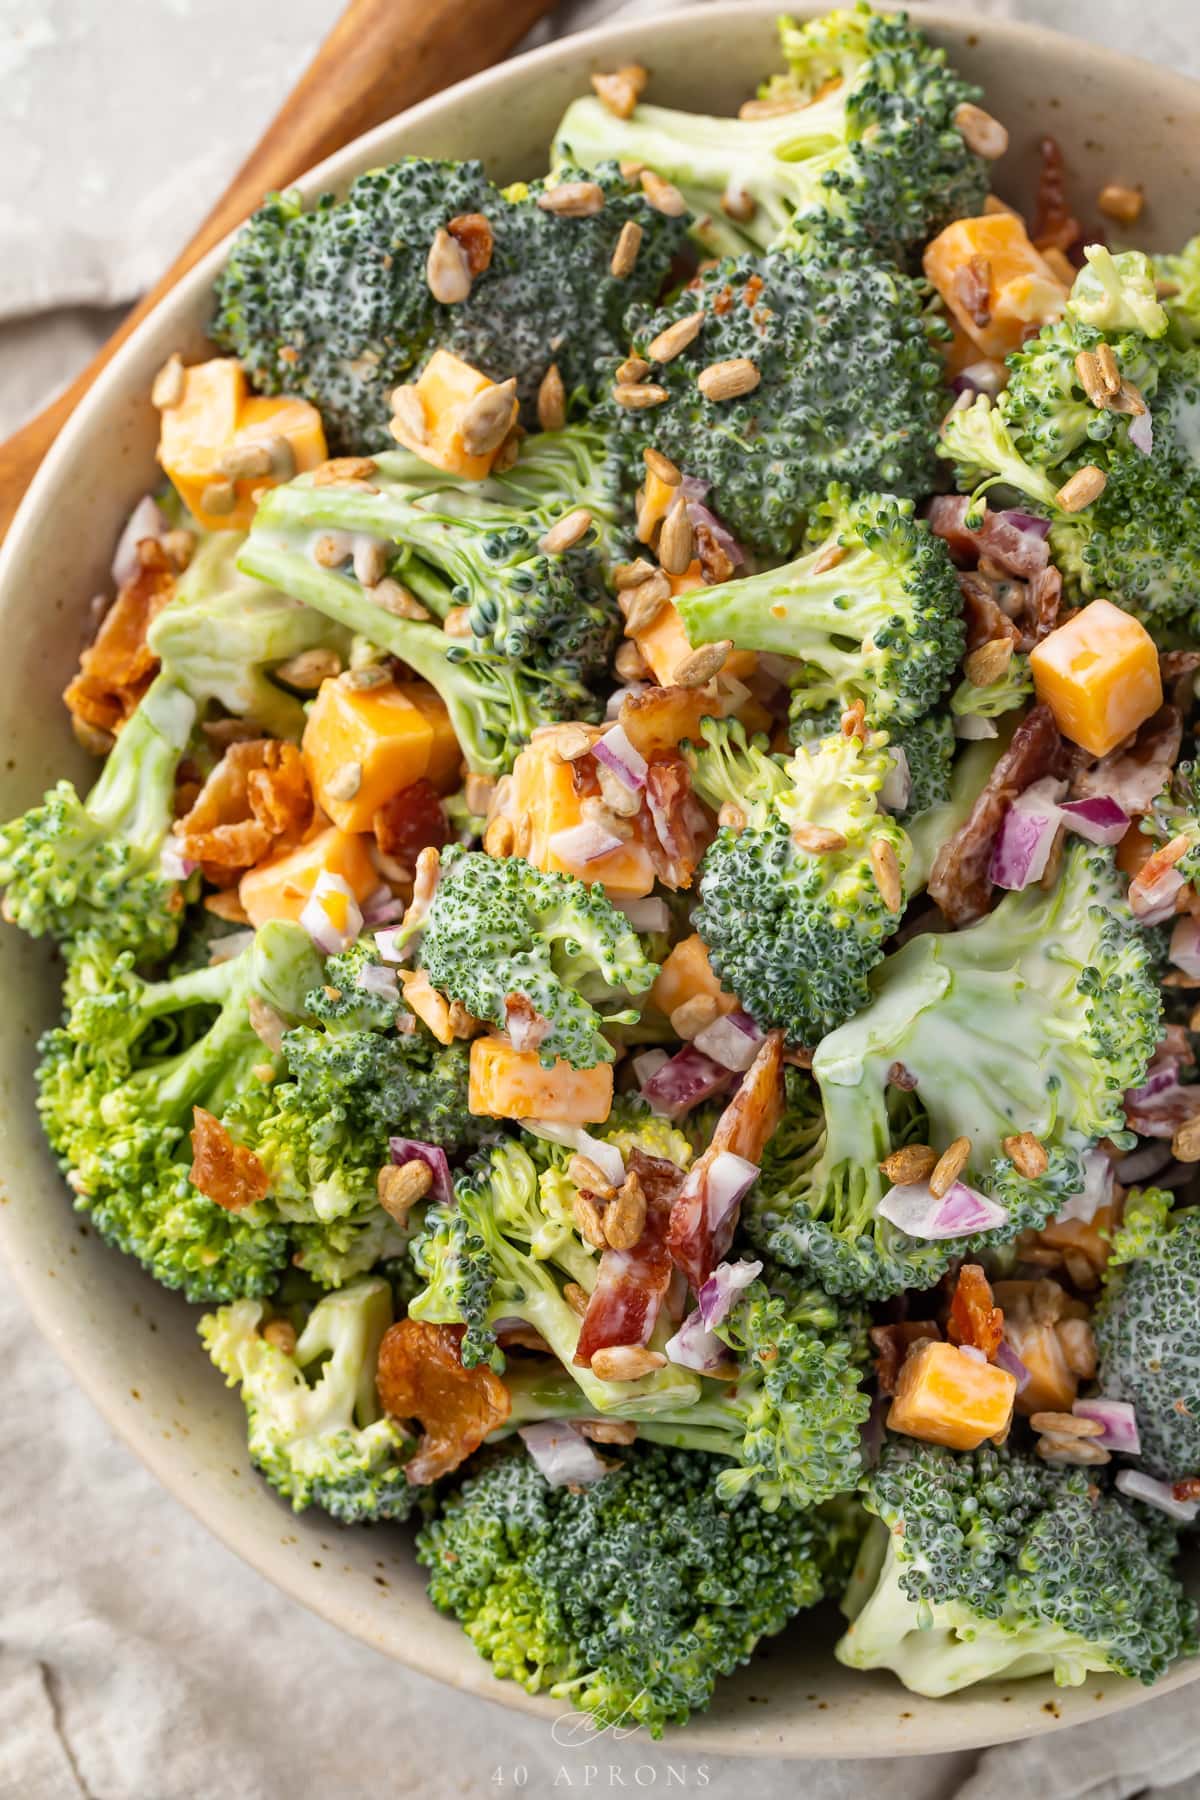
x,y
990,1566
316,1430
499,931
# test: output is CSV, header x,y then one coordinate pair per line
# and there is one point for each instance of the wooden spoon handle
x,y
380,57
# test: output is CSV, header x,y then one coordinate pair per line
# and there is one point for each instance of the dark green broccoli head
x,y
850,389
628,1597
872,612
928,747
865,135
1038,1018
502,936
990,1564
1148,1331
793,929
334,304
315,1428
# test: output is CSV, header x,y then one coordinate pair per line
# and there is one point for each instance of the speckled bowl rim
x,y
879,1719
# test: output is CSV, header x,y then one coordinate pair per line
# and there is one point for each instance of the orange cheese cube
x,y
544,799
1099,676
1022,289
512,1084
945,1397
392,735
215,413
686,973
664,643
1052,1386
445,388
279,889
657,499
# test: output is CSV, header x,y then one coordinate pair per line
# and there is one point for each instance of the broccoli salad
x,y
632,945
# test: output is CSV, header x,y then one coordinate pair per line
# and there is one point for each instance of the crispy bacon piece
x,y
1045,598
473,233
680,833
118,666
1054,225
224,1172
1178,670
1135,777
984,611
697,1240
959,882
257,797
631,1285
420,1376
1019,552
893,1343
1187,1489
411,821
974,1319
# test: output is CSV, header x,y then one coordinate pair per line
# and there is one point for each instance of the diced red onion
x,y
1023,521
722,1288
646,914
174,864
147,520
224,949
728,1043
1008,1360
1142,1164
582,844
725,1180
620,757
896,791
1141,433
328,936
971,727
694,1346
683,1081
564,1457
1100,820
973,1352
1155,904
647,1063
915,1210
1162,1079
607,1157
391,952
693,487
406,1150
1157,1493
1185,944
378,979
1026,837
382,908
1119,1421
1097,1189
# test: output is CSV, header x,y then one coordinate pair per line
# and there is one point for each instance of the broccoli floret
x,y
315,1426
1182,272
1136,541
71,867
334,303
1012,689
992,1565
1176,813
555,606
118,1085
870,140
850,391
502,930
224,633
928,747
1148,1330
872,612
794,931
1038,1018
628,1597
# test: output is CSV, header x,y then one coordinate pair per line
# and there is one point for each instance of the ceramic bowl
x,y
132,1345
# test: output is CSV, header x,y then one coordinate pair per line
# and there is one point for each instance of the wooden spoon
x,y
380,57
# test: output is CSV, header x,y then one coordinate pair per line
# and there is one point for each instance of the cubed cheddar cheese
x,y
216,411
686,973
505,1083
1051,1386
279,889
946,1397
662,717
392,735
445,388
657,499
664,643
1099,676
545,802
1023,291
